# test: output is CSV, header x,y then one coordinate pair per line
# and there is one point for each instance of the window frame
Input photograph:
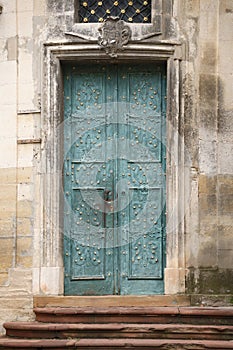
x,y
139,30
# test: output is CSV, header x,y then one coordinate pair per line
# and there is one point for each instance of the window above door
x,y
144,17
132,11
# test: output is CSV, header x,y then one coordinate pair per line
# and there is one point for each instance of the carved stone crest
x,y
114,34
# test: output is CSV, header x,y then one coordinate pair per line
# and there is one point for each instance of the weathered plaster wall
x,y
205,28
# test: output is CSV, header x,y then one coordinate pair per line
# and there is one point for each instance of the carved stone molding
x,y
114,34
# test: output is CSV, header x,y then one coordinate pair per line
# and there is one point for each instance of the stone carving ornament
x,y
114,34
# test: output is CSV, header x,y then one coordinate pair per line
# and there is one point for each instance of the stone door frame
x,y
48,274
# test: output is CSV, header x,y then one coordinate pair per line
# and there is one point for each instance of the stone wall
x,y
204,28
209,228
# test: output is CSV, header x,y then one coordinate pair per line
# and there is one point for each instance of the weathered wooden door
x,y
114,178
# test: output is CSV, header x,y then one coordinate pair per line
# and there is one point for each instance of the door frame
x,y
48,274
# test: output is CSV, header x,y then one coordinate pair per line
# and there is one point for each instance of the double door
x,y
114,178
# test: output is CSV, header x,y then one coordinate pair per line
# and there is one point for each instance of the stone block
x,y
24,261
225,258
225,151
207,254
8,6
225,20
20,282
208,19
8,93
51,280
39,8
207,184
209,281
28,126
25,155
3,278
225,126
25,192
25,65
25,6
7,246
174,280
226,7
9,126
7,228
12,48
24,227
8,192
219,300
209,55
167,8
26,96
208,125
208,157
225,236
25,126
208,204
192,8
7,210
23,302
25,175
226,81
24,252
225,53
7,175
8,73
208,84
225,199
8,154
24,246
225,220
8,26
25,22
24,209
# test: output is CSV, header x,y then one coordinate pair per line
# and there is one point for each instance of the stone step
x,y
112,300
161,315
112,344
40,330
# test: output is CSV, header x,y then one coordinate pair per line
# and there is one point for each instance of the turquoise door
x,y
114,178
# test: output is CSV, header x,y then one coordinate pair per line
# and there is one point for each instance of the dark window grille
x,y
135,11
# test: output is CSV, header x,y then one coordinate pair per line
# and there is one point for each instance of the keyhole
x,y
107,195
